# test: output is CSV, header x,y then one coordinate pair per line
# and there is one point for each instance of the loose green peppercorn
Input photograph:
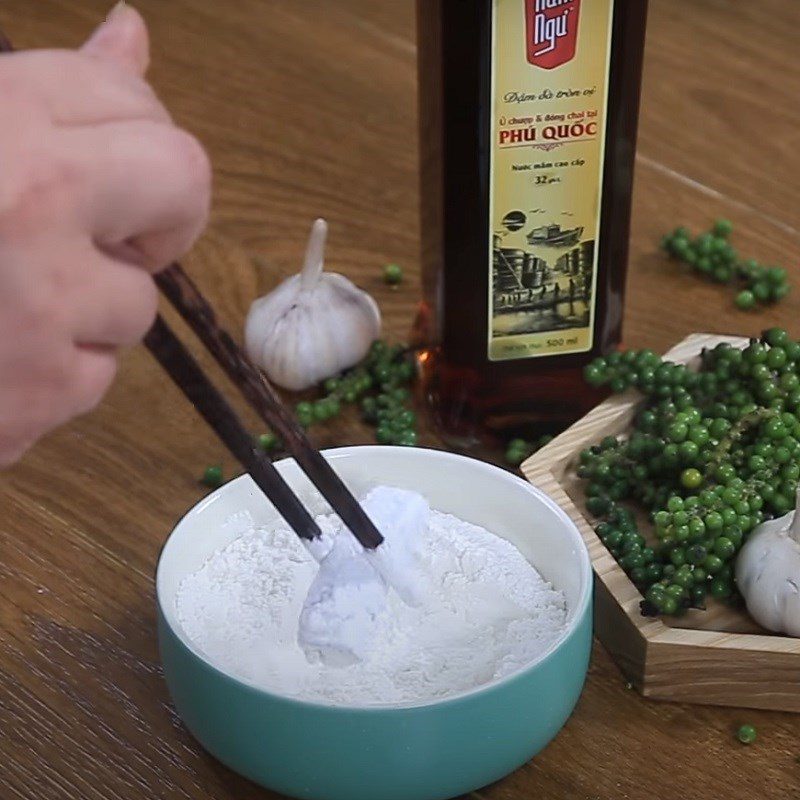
x,y
594,375
683,579
305,413
662,519
779,292
761,291
400,394
321,411
691,478
678,557
746,734
722,274
720,588
669,605
385,400
268,441
675,503
392,274
712,564
776,337
724,548
713,521
405,370
369,409
407,418
377,349
697,554
698,596
678,431
384,434
515,456
774,428
653,573
382,372
681,533
723,227
776,357
212,477
655,593
407,439
776,275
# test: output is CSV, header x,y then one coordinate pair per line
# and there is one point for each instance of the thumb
x,y
121,39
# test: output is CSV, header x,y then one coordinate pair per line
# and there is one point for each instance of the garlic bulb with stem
x,y
313,325
768,573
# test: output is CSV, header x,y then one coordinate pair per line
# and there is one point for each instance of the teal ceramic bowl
x,y
425,751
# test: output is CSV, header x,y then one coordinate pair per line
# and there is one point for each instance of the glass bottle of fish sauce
x,y
528,116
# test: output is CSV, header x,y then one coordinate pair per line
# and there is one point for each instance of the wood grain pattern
x,y
719,656
308,109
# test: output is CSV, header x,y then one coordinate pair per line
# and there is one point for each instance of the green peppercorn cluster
x,y
379,383
520,449
390,410
711,454
712,255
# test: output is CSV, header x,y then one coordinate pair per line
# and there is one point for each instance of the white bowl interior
x,y
472,490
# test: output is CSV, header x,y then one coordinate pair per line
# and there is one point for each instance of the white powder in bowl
x,y
486,614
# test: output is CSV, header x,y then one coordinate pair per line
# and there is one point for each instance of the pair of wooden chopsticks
x,y
173,356
184,370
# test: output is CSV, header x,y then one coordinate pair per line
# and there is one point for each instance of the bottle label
x,y
550,65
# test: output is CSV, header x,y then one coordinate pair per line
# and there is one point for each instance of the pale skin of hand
x,y
99,190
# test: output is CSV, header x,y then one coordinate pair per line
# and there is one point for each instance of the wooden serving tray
x,y
719,656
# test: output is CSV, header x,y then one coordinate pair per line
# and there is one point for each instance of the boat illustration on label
x,y
553,236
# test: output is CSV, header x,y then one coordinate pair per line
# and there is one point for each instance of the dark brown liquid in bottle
x,y
472,397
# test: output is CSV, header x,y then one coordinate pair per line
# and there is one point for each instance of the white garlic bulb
x,y
313,325
768,573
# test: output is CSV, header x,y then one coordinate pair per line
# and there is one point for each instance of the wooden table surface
x,y
309,109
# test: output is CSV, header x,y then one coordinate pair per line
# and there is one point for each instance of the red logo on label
x,y
551,30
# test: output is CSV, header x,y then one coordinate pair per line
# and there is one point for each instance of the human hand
x,y
99,189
